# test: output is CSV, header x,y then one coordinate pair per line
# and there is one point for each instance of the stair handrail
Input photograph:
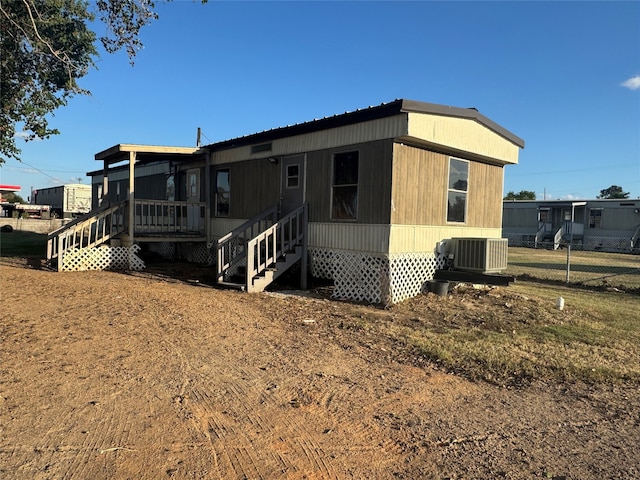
x,y
264,249
231,248
557,238
635,237
89,230
540,234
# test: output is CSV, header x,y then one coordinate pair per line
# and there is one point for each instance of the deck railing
x,y
101,225
231,248
164,216
87,231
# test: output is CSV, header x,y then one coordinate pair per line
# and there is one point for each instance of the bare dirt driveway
x,y
113,376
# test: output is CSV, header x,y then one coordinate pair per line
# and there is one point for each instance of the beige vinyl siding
x,y
462,134
349,236
363,132
374,182
484,200
425,238
419,192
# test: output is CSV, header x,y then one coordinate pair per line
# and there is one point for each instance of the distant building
x,y
66,201
608,225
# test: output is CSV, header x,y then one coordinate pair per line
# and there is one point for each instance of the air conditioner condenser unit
x,y
483,255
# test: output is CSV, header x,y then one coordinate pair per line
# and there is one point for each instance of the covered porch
x,y
120,220
561,222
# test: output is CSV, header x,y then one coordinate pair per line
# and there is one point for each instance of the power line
x,y
42,171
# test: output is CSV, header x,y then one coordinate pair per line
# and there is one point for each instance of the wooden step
x,y
231,285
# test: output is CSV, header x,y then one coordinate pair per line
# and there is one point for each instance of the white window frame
x,y
465,192
297,164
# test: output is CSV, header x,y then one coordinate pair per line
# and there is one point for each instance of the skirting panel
x,y
375,278
607,244
166,250
102,258
410,273
194,252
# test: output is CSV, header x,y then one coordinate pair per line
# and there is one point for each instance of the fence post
x,y
568,261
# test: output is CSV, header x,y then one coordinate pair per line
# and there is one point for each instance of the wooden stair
x,y
264,256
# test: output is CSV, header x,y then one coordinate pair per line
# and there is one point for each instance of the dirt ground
x,y
107,375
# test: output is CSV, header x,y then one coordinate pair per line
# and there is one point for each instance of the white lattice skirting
x,y
375,278
166,250
194,252
102,258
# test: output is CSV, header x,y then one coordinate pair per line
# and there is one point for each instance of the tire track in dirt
x,y
241,417
253,434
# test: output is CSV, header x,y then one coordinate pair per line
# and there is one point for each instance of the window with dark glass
x,y
457,191
595,218
223,193
344,199
543,215
293,176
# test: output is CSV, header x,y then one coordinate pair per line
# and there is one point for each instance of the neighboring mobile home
x,y
374,196
608,225
66,201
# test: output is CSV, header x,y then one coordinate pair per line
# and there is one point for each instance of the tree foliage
x,y
614,191
521,195
12,197
47,46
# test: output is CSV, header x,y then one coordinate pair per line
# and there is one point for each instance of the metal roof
x,y
363,115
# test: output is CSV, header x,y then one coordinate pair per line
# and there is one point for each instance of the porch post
x,y
105,182
132,198
305,247
207,197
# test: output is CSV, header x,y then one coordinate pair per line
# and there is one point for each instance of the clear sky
x,y
564,76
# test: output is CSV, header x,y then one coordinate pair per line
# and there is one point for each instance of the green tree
x,y
12,197
46,47
521,195
614,191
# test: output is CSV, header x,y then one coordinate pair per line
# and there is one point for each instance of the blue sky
x,y
564,76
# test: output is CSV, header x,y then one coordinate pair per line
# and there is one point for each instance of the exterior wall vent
x,y
264,147
484,255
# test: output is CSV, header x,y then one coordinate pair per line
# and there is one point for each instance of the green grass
x,y
516,335
23,244
586,267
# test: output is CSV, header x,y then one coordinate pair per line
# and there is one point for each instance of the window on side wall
x,y
543,215
171,188
595,218
344,194
457,190
223,193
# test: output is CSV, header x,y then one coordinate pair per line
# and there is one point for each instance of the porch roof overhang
x,y
144,153
562,203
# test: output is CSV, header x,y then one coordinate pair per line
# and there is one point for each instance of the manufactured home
x,y
375,199
609,225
